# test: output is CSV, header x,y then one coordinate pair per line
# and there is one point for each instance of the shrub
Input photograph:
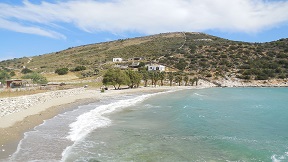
x,y
26,71
12,73
261,77
282,76
36,77
246,77
61,71
181,64
79,68
102,90
209,75
86,74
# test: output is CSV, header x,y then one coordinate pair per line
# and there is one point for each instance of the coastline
x,y
10,136
14,125
44,106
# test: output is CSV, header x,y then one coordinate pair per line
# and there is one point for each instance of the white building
x,y
156,67
117,59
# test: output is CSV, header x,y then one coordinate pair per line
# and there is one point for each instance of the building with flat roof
x,y
117,60
156,68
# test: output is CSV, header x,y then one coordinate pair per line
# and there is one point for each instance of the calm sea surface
x,y
213,125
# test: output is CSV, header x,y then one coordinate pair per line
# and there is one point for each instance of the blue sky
x,y
36,27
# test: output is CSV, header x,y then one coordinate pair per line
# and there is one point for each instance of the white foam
x,y
277,158
94,119
197,94
274,159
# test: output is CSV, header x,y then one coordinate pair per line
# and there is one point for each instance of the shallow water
x,y
217,124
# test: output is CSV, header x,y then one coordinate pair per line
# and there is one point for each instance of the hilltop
x,y
194,53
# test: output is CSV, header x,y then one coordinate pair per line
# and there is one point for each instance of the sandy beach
x,y
21,114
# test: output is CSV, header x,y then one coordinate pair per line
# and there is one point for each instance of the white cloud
x,y
29,29
148,16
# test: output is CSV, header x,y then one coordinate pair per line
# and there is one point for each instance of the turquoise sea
x,y
203,125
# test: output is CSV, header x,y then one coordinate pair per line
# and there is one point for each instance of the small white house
x,y
117,59
156,67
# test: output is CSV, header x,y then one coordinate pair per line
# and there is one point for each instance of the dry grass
x,y
35,90
90,84
52,77
9,93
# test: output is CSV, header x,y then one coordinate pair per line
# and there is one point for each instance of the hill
x,y
194,53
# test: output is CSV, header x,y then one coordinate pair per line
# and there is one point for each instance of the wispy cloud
x,y
10,25
149,16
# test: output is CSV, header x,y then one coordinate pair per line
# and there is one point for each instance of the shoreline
x,y
14,125
11,136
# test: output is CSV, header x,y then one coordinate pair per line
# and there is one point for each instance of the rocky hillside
x,y
195,53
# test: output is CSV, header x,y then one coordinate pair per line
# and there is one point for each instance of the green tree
x,y
36,78
138,79
135,78
155,77
186,79
191,81
109,78
115,77
178,79
194,80
145,77
152,77
162,77
121,78
4,76
170,77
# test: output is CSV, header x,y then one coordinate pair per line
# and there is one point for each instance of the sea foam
x,y
94,119
279,158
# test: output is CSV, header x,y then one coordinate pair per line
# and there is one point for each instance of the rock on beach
x,y
11,105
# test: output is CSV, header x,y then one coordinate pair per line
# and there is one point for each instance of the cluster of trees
x,y
117,77
132,79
